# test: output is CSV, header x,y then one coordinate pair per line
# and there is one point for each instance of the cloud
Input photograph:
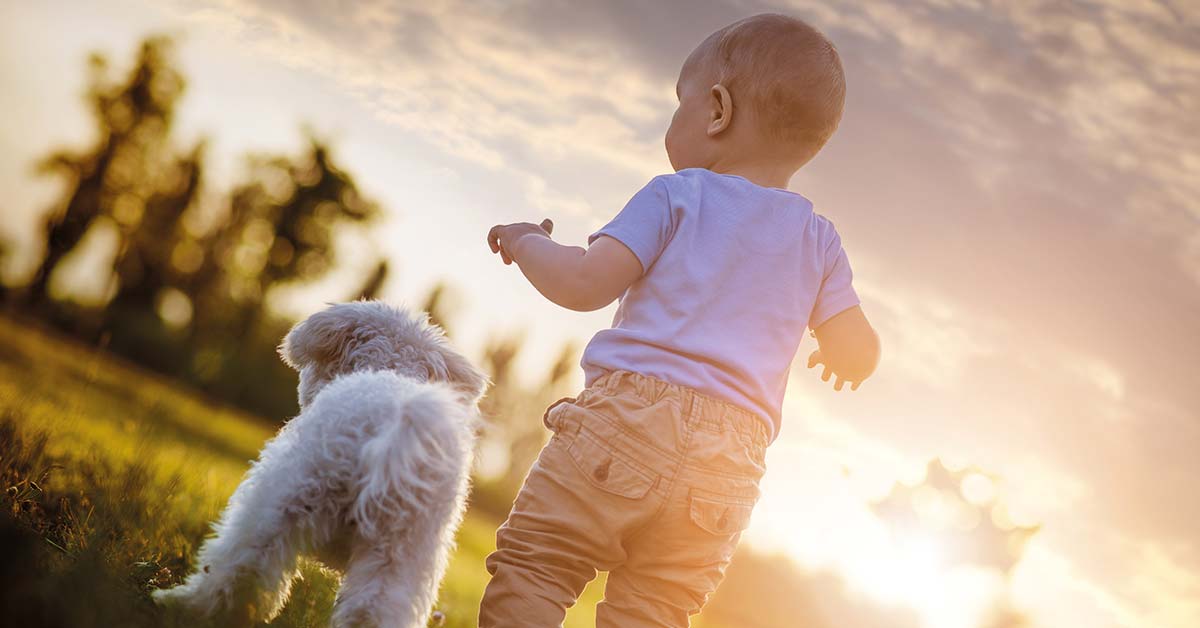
x,y
1107,89
1171,590
461,80
928,338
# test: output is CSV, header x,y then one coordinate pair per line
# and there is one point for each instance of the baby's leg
x,y
671,571
563,526
678,561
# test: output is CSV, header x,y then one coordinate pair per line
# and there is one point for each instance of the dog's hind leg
x,y
369,575
412,480
390,582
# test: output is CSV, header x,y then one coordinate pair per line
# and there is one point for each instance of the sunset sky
x,y
1017,185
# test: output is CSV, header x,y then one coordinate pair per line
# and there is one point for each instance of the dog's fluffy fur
x,y
370,478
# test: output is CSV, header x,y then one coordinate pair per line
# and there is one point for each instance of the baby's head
x,y
766,87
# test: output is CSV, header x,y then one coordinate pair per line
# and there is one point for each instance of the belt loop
x,y
689,405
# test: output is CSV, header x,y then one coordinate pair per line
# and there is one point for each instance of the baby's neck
x,y
766,173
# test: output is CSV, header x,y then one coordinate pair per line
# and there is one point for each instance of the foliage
x,y
114,179
189,282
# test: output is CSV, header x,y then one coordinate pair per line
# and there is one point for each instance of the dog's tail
x,y
416,460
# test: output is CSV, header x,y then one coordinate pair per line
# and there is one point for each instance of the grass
x,y
111,475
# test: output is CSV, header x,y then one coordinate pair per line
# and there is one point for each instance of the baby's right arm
x,y
848,347
574,277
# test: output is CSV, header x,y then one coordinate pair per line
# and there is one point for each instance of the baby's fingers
x,y
826,373
493,238
547,226
838,384
814,359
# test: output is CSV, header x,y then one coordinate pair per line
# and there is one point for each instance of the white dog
x,y
370,478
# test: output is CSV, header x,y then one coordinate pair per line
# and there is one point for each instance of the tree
x,y
277,230
190,287
514,410
116,176
373,285
144,264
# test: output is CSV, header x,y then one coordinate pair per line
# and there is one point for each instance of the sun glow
x,y
915,572
904,571
937,546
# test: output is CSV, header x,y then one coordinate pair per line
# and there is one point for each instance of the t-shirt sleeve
x,y
837,293
644,225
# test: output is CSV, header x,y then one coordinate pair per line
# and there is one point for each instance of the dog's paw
x,y
182,603
173,597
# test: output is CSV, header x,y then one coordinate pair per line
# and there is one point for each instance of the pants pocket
x,y
551,419
717,514
608,470
718,522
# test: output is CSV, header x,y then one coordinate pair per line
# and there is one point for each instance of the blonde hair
x,y
790,74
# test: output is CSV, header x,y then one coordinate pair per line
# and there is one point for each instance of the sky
x,y
1017,185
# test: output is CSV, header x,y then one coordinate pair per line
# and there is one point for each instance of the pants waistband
x,y
699,409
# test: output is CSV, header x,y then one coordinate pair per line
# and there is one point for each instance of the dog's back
x,y
407,443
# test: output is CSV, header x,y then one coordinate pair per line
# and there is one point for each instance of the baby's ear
x,y
318,339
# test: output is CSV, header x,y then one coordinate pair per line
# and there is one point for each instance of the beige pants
x,y
649,481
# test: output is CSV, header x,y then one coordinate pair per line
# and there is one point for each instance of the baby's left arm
x,y
571,276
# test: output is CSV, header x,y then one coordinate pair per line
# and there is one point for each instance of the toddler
x,y
654,467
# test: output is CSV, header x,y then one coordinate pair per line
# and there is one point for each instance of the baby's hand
x,y
816,358
501,234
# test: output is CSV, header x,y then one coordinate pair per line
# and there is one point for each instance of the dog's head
x,y
371,335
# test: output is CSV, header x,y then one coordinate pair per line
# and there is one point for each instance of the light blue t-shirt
x,y
733,275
